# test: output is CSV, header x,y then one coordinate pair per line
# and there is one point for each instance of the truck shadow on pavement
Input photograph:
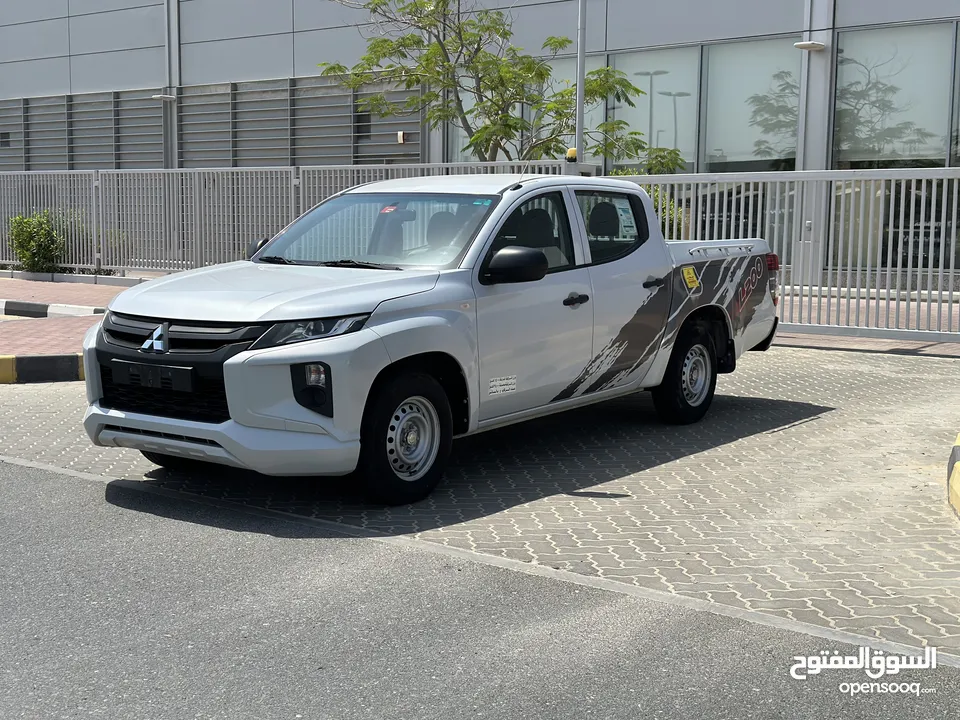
x,y
600,454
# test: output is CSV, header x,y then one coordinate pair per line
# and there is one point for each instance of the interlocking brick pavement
x,y
44,336
875,345
813,490
61,293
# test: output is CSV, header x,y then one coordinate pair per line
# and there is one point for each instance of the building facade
x,y
98,84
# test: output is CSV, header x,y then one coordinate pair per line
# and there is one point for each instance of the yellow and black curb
x,y
953,478
40,368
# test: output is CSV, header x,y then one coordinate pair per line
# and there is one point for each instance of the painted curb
x,y
42,310
953,478
41,368
117,280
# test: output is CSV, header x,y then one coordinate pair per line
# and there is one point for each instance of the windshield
x,y
379,229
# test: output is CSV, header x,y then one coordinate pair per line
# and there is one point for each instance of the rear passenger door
x,y
630,272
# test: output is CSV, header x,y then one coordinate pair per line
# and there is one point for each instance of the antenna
x,y
526,166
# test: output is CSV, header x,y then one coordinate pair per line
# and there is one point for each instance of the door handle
x,y
653,283
575,299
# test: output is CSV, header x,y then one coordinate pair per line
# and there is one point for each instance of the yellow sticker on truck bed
x,y
690,277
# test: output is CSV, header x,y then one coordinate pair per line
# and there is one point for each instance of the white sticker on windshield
x,y
503,385
628,226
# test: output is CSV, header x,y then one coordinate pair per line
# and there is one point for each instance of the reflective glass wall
x,y
893,97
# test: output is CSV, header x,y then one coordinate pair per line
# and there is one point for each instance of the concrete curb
x,y
953,478
41,368
42,310
116,280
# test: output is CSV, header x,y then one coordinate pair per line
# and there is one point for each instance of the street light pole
x,y
674,95
581,75
651,74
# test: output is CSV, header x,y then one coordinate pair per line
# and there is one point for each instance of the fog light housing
x,y
315,375
312,387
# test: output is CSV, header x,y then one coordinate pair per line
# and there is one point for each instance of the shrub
x,y
36,242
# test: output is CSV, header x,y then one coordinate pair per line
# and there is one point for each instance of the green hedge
x,y
36,242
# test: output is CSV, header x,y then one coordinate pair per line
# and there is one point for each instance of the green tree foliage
x,y
462,68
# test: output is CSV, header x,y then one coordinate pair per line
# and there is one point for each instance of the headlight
x,y
302,330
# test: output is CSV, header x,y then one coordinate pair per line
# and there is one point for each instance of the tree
x,y
863,125
460,62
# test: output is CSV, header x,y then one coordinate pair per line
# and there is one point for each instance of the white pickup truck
x,y
399,315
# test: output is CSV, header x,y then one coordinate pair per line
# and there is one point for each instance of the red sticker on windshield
x,y
388,209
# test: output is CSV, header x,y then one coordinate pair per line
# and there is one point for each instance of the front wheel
x,y
405,440
690,380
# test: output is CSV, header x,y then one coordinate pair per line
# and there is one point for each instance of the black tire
x,y
669,398
172,462
401,403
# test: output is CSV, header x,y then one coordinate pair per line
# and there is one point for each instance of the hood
x,y
247,292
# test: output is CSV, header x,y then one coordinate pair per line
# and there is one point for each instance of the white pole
x,y
581,75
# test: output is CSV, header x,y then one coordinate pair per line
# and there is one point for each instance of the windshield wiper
x,y
358,264
276,260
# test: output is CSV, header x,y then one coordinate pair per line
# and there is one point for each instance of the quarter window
x,y
616,224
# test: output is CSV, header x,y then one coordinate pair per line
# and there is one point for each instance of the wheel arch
x,y
721,328
445,369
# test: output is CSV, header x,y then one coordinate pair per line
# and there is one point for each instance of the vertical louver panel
x,y
322,123
377,140
261,112
45,127
206,126
139,127
11,135
92,127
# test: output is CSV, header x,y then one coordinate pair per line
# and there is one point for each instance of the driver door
x,y
533,338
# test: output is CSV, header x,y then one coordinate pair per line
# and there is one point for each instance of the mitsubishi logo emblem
x,y
157,342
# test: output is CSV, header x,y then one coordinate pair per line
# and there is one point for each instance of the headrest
x,y
604,221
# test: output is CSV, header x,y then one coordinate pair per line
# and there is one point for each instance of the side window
x,y
540,223
616,224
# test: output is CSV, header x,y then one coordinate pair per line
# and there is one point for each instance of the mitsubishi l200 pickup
x,y
396,316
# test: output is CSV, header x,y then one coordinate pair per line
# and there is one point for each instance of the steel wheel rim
x,y
413,438
696,375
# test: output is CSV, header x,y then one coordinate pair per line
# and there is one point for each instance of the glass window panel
x,y
955,144
893,96
667,113
751,101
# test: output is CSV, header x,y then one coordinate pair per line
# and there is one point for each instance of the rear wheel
x,y
405,440
690,381
172,462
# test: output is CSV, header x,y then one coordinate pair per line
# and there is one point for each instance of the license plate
x,y
159,377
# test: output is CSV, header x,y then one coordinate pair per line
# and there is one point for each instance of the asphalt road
x,y
122,604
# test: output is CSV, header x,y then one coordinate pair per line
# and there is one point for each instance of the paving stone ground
x,y
44,336
814,490
65,293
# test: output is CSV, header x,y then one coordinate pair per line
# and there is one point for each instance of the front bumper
x,y
266,429
271,452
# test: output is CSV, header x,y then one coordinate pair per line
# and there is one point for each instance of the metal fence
x,y
180,219
863,252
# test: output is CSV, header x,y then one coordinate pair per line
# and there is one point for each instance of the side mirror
x,y
254,247
515,264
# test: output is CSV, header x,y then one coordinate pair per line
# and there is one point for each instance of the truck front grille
x,y
196,349
207,403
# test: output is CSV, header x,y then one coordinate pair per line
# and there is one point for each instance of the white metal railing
x,y
863,252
